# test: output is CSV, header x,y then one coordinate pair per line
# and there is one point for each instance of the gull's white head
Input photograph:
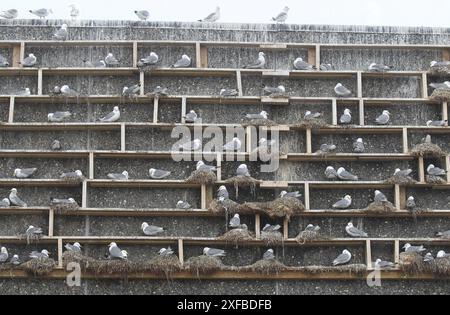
x,y
221,188
236,140
261,54
283,193
264,114
377,192
262,141
429,123
243,167
270,251
330,168
385,112
282,88
447,83
206,250
441,254
45,252
79,173
162,250
430,167
433,63
27,90
407,246
338,85
125,173
286,9
110,55
31,55
341,170
64,27
346,252
179,203
4,250
17,170
112,245
350,224
14,191
71,200
347,111
348,197
411,198
116,108
185,56
359,140
153,54
397,171
144,225
78,245
237,215
200,164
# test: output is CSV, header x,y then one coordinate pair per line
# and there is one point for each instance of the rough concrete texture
x,y
4,111
293,141
168,112
13,225
149,139
70,140
409,87
374,143
366,171
46,168
13,84
168,54
442,140
142,198
247,195
430,199
252,85
40,196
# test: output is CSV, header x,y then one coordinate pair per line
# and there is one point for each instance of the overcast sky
x,y
354,12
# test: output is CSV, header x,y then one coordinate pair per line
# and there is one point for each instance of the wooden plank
x,y
276,73
273,46
11,110
17,56
359,84
318,58
446,54
84,194
183,109
155,110
307,197
135,54
273,184
447,165
203,56
334,112
402,198
91,165
51,222
142,83
424,81
308,141
312,56
397,251
258,226
123,137
181,251
444,110
198,55
60,252
405,140
206,195
239,83
421,163
397,197
274,101
39,86
286,228
219,166
248,139
362,120
369,254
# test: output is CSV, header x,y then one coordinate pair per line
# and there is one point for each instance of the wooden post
x,y
60,253
122,137
312,55
307,203
135,54
39,87
359,84
142,83
248,140
362,120
444,110
369,254
397,197
18,55
334,112
219,166
183,109
11,110
308,141
405,141
84,195
207,196
239,83
203,56
402,197
155,110
446,54
91,165
318,57
421,170
447,165
424,85
397,251
285,228
258,226
181,251
51,222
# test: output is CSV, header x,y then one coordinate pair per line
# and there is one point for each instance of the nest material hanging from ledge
x,y
435,180
442,70
441,95
258,122
166,265
237,236
204,265
314,123
265,267
243,182
63,208
380,207
308,236
39,266
428,150
401,180
272,238
227,206
354,269
279,208
202,178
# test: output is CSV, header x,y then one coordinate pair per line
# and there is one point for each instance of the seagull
x,y
15,260
194,145
222,194
259,64
72,175
76,247
439,64
116,253
213,252
262,115
29,61
160,91
165,252
5,203
96,64
24,172
381,264
235,222
312,228
294,194
3,62
58,116
271,228
442,254
344,203
435,171
413,249
42,13
184,62
233,145
428,258
9,14
403,173
229,93
327,148
25,92
326,67
343,258
67,91
242,170
158,174
345,175
62,33
377,67
427,139
347,117
269,255
3,255
274,90
112,116
201,166
191,117
183,205
355,232
445,85
143,15
44,254
69,201
342,91
411,203
118,176
380,197
213,17
151,230
282,17
384,118
150,60
110,60
445,234
358,146
309,115
15,200
56,145
131,91
330,173
74,11
437,123
299,64
33,230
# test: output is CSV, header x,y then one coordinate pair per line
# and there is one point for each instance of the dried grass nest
x,y
62,208
435,180
243,182
237,236
265,267
166,265
401,180
259,122
428,149
440,70
204,265
279,208
380,207
353,269
314,123
272,238
227,206
441,95
202,178
39,266
31,238
308,236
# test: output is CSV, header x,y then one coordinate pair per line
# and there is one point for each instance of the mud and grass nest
x,y
64,208
401,180
279,208
243,182
413,264
353,269
380,207
227,206
308,236
441,95
259,122
440,70
83,261
435,180
8,266
315,123
164,265
428,150
31,238
117,267
266,267
202,178
73,179
441,266
272,238
237,236
204,265
39,266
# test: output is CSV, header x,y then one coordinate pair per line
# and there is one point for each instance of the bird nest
x,y
73,179
401,180
8,266
120,267
440,70
380,207
164,265
272,238
308,236
279,208
259,122
265,267
63,208
237,236
428,150
435,180
226,206
441,95
315,123
325,153
31,238
73,257
39,266
243,182
354,269
413,264
204,265
441,266
202,178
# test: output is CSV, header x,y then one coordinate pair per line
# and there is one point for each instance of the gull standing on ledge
x,y
112,116
9,14
184,62
282,17
42,13
259,64
74,11
62,33
143,15
15,200
213,17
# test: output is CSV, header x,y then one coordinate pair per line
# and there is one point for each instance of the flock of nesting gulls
x,y
235,145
